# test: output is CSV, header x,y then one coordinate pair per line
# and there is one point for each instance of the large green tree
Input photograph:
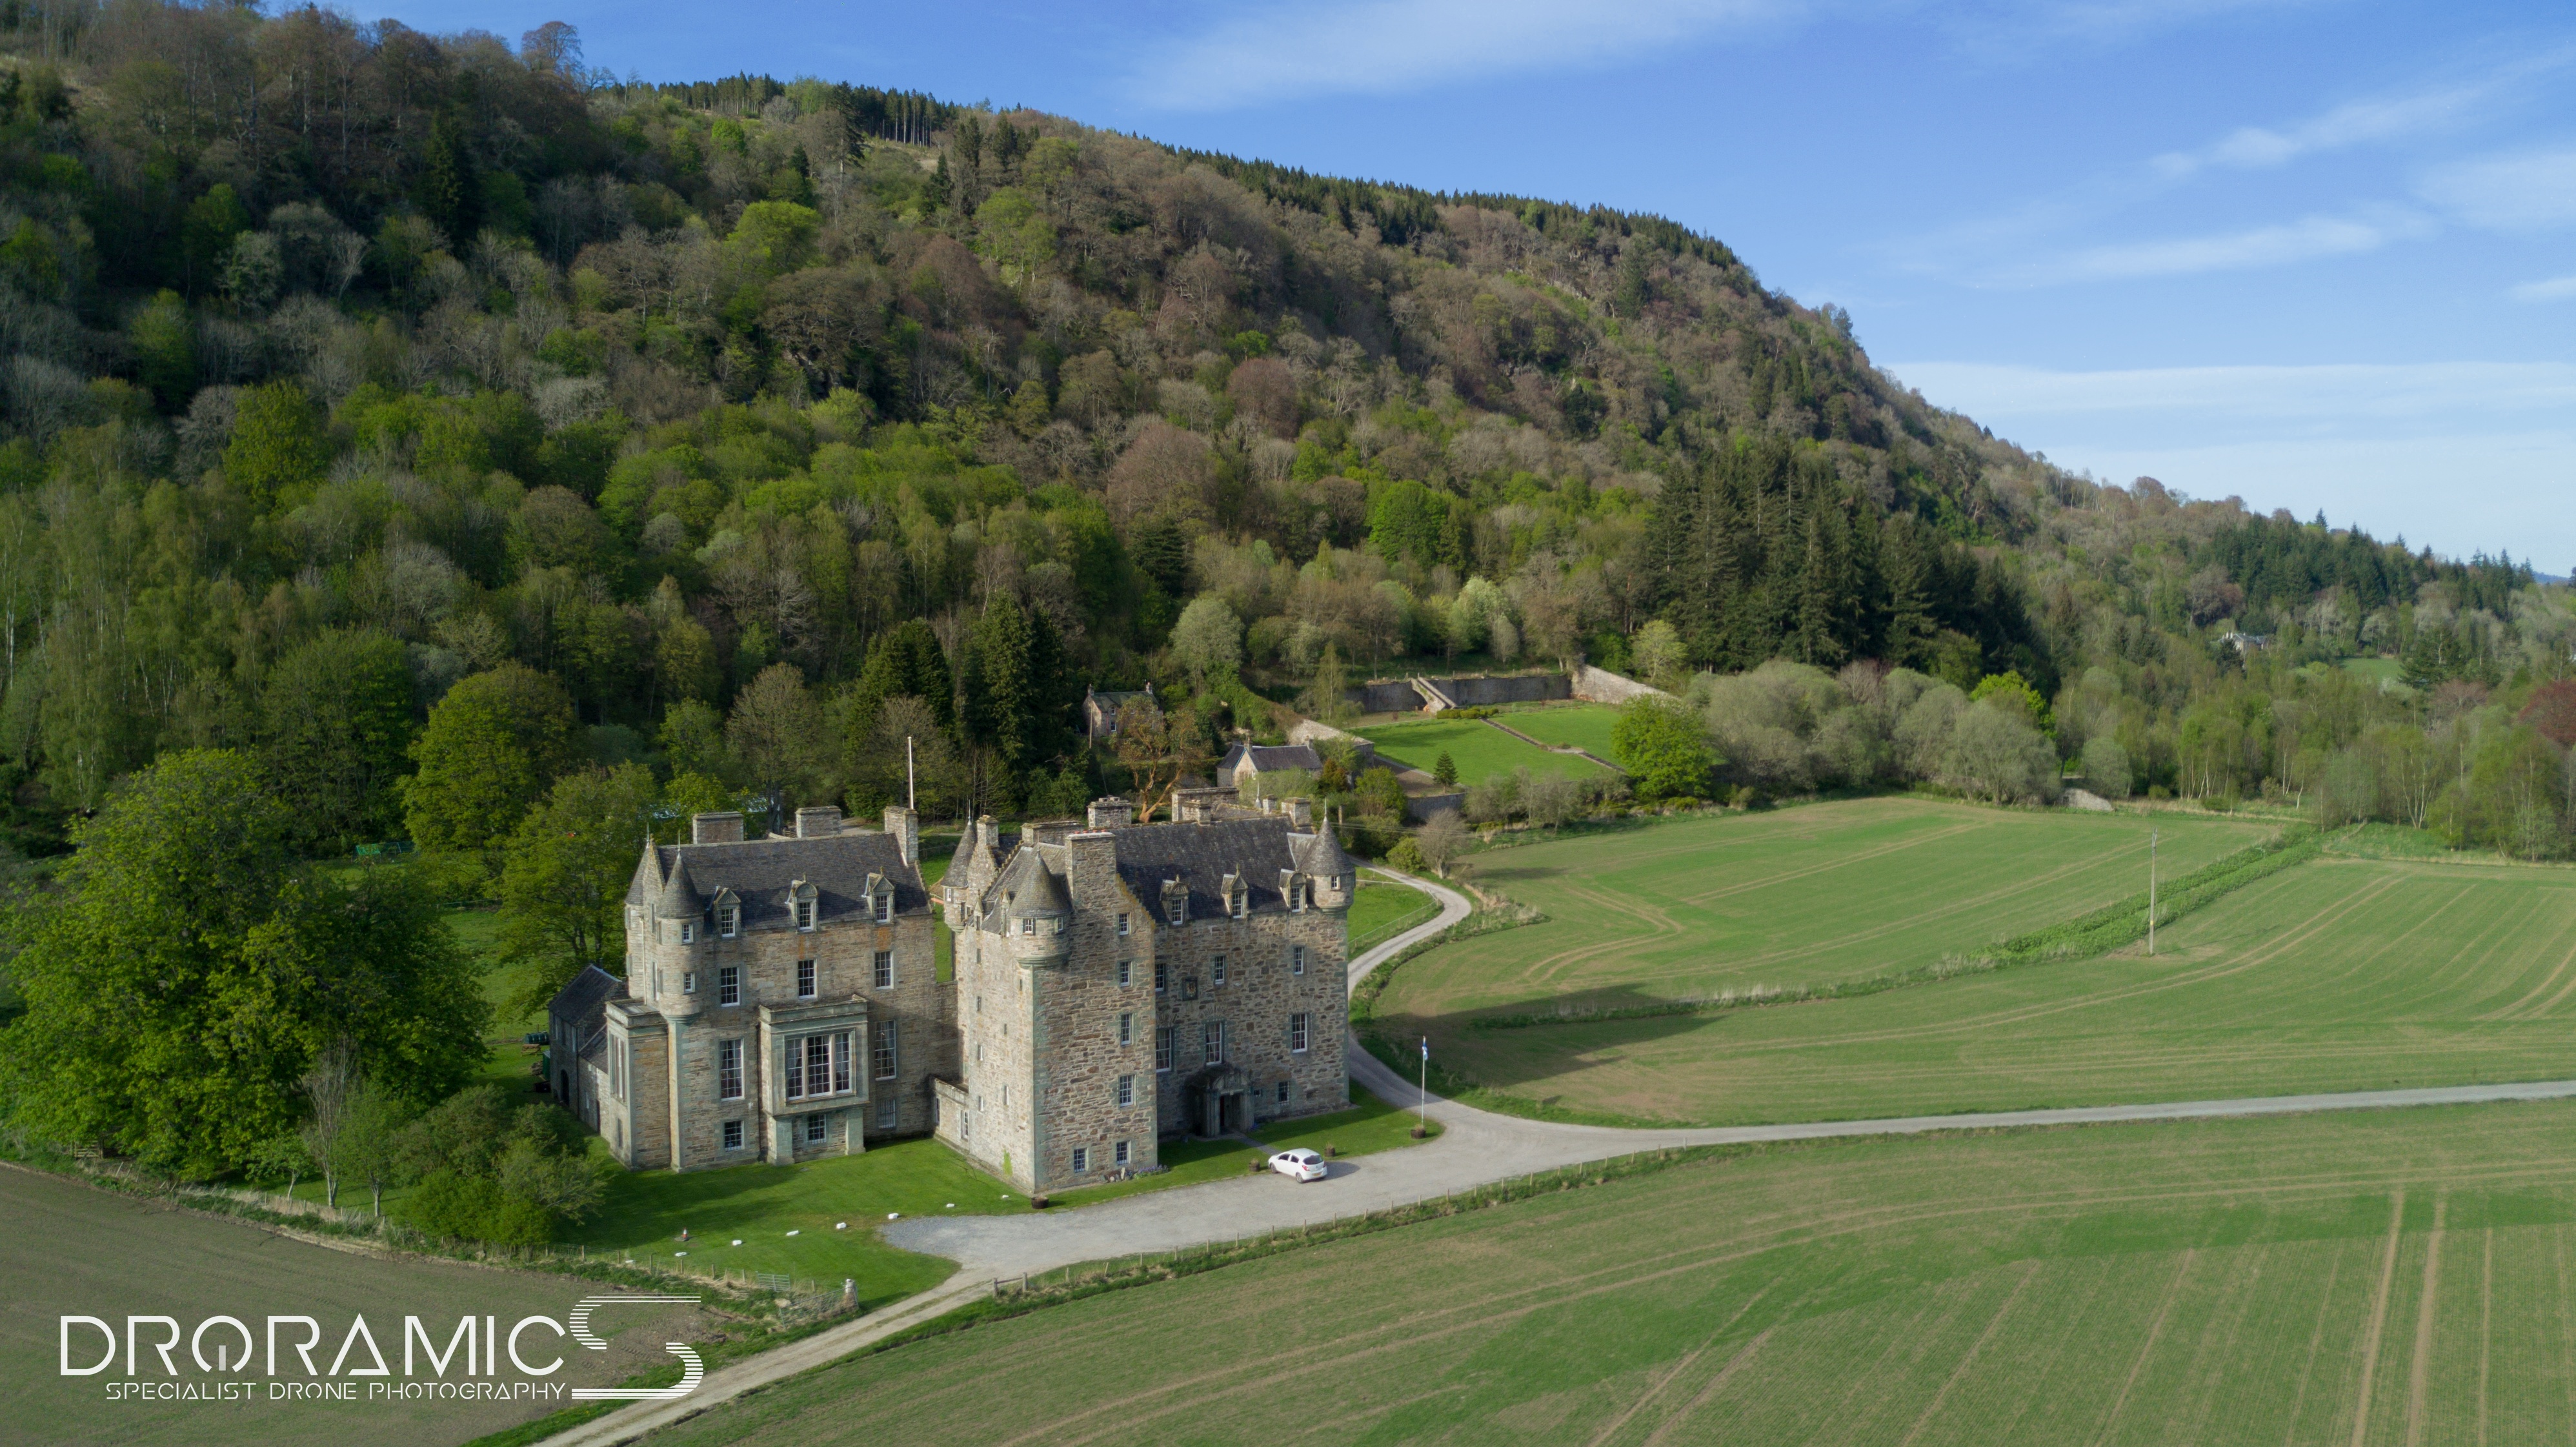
x,y
1664,747
563,886
188,973
335,720
491,748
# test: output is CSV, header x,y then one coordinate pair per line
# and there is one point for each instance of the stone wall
x,y
1600,685
1079,1002
1468,691
1261,990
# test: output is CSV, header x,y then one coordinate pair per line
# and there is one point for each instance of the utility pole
x,y
2151,894
911,778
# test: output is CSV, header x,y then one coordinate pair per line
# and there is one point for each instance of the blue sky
x,y
2319,255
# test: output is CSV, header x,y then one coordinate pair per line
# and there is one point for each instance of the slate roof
x,y
583,1004
760,871
1265,758
1200,855
1032,880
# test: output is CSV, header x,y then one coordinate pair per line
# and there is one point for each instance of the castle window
x,y
818,1065
885,907
1162,977
1126,1029
1081,1160
1178,907
882,1059
805,914
729,984
688,931
1189,987
1028,924
1126,1153
1163,1048
1212,1042
1283,1092
1126,972
885,1113
728,1070
1296,959
804,979
1216,970
1296,1037
729,921
1241,901
733,1135
688,982
1126,1090
1122,924
883,974
814,1128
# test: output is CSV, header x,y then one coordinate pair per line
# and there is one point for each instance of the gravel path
x,y
1476,1148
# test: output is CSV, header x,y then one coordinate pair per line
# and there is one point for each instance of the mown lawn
x,y
2337,974
831,1207
1585,726
1480,750
1382,908
1679,908
2374,1278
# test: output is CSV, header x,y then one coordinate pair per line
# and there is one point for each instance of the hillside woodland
x,y
490,454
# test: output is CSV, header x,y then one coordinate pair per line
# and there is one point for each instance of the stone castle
x,y
1112,984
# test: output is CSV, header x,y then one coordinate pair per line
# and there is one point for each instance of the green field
x,y
2338,974
1685,908
1480,750
70,1249
1585,726
1384,908
2362,1278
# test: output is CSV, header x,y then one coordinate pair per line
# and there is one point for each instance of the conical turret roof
x,y
1320,854
679,898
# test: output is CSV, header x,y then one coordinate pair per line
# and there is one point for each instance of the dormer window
x,y
885,907
800,904
728,920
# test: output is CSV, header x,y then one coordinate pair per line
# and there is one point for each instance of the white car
x,y
1299,1165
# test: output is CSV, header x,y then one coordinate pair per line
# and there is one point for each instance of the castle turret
x,y
679,930
1037,916
1332,874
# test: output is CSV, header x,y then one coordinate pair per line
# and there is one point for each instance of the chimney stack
x,y
818,821
1109,813
716,828
905,826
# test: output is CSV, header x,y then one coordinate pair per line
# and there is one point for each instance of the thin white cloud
x,y
2363,122
2374,393
2282,244
2527,191
2557,288
1280,51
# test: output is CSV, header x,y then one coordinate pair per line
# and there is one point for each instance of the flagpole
x,y
1422,1101
2151,894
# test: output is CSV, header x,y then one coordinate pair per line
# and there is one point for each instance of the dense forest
x,y
426,441
713,426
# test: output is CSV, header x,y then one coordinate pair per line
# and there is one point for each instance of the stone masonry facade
x,y
1114,985
1118,984
781,999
